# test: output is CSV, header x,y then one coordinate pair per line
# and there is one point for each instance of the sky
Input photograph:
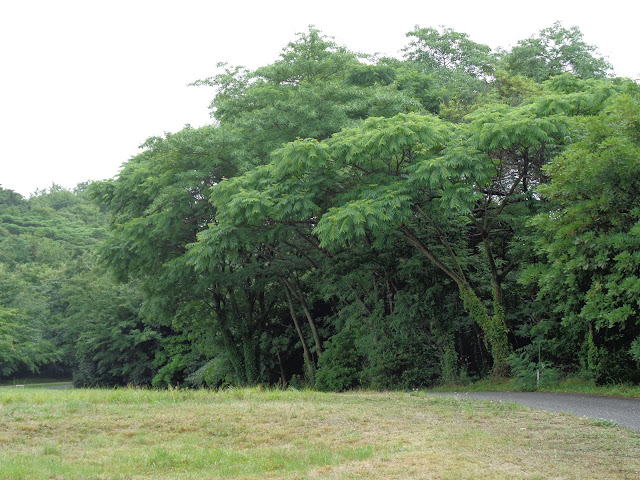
x,y
83,83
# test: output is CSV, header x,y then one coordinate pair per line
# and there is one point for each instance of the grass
x,y
251,434
568,385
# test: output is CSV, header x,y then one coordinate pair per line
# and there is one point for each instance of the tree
x,y
164,226
556,50
589,270
312,91
109,343
450,50
22,345
459,68
372,177
44,244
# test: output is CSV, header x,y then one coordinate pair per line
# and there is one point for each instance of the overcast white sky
x,y
84,82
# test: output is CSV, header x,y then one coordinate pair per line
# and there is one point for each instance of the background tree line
x,y
349,220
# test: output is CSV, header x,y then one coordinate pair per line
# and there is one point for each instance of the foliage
x,y
111,343
340,365
530,375
42,239
458,67
21,344
448,49
588,240
555,50
61,313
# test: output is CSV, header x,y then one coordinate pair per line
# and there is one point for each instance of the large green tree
x,y
159,203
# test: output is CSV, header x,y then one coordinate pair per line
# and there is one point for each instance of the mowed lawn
x,y
249,433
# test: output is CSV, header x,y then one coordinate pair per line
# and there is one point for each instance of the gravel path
x,y
623,411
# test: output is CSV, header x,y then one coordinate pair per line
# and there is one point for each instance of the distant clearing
x,y
147,434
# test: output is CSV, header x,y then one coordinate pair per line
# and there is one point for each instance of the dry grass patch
x,y
145,434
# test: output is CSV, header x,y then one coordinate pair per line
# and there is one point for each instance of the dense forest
x,y
350,220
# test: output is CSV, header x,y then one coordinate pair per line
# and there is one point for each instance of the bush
x,y
529,375
340,365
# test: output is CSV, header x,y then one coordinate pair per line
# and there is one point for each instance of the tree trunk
x,y
308,360
493,326
283,378
312,324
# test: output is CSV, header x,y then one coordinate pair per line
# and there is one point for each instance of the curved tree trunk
x,y
493,326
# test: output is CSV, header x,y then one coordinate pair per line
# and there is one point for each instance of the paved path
x,y
623,411
58,386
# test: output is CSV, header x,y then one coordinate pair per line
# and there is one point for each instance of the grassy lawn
x,y
147,434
